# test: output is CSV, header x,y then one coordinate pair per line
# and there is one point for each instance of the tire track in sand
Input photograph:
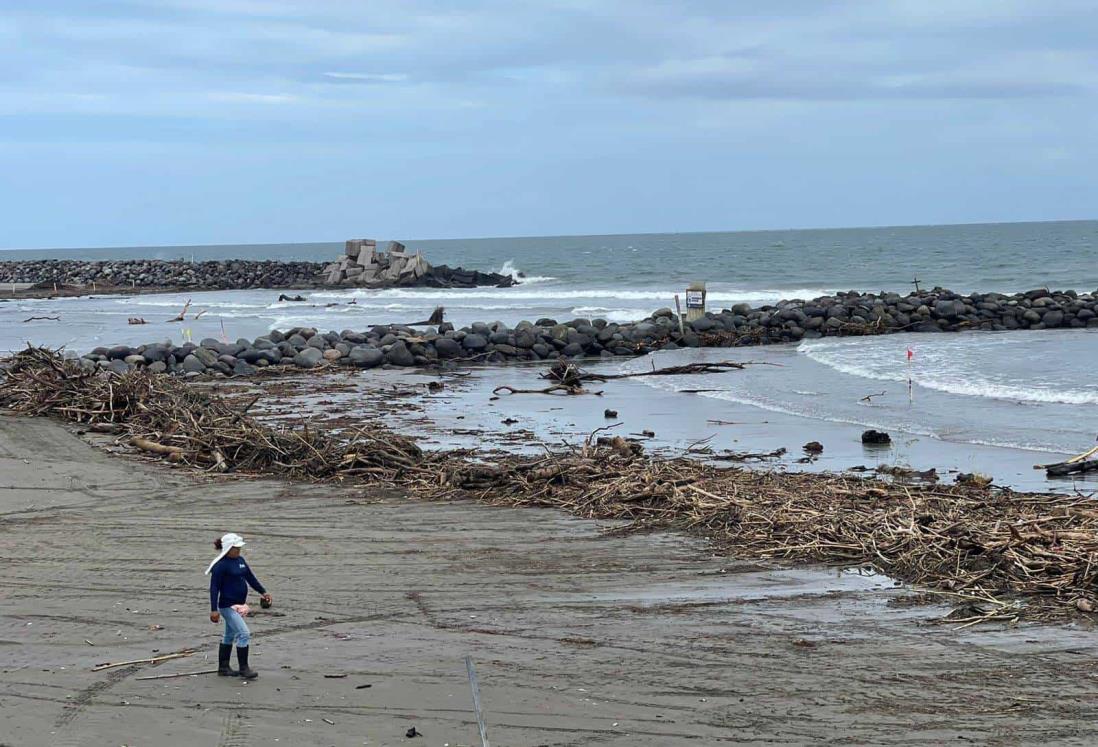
x,y
234,730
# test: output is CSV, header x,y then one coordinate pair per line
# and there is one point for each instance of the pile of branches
x,y
985,546
968,542
163,416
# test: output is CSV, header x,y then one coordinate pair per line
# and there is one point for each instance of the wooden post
x,y
695,301
678,310
475,687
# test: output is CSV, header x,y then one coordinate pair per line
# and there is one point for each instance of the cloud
x,y
759,76
530,110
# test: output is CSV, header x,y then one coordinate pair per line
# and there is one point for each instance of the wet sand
x,y
579,638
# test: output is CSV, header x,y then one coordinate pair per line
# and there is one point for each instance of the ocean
x,y
1032,391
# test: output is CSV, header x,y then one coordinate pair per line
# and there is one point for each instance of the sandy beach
x,y
578,637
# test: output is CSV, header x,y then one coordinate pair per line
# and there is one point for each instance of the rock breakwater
x,y
845,314
161,273
231,274
363,265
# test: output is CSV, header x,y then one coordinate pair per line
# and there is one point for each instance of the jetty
x,y
438,342
360,265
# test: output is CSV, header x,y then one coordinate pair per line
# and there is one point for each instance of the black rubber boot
x,y
242,658
224,656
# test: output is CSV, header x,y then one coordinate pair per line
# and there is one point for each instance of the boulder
x,y
365,356
119,352
207,356
399,355
447,348
475,342
192,364
308,358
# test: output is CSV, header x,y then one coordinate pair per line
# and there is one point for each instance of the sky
x,y
167,122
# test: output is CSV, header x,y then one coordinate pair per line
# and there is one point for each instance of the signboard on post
x,y
695,301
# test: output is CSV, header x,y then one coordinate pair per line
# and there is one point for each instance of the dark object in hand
x,y
265,603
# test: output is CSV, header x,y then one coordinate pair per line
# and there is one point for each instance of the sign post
x,y
695,301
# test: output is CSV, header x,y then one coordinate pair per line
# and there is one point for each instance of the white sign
x,y
695,299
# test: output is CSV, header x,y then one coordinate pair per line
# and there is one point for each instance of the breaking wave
x,y
510,269
663,297
951,369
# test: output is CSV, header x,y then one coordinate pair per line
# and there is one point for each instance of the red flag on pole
x,y
910,354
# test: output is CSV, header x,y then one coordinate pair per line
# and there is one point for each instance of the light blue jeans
x,y
236,630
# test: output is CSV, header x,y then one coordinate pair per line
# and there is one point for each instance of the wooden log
x,y
173,453
474,686
177,674
1062,469
153,660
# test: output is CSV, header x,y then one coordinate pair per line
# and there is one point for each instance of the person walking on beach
x,y
230,578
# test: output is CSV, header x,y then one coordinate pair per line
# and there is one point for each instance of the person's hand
x,y
266,599
215,616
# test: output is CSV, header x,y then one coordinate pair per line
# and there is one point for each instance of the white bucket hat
x,y
228,542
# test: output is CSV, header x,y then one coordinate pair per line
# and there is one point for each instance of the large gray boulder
x,y
191,364
119,352
447,348
308,358
475,342
949,309
1053,318
400,355
365,356
207,356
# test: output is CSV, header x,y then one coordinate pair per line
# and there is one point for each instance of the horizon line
x,y
563,236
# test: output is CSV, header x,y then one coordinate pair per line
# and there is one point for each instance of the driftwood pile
x,y
986,546
162,415
974,543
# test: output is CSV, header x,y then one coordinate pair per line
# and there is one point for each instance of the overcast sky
x,y
223,121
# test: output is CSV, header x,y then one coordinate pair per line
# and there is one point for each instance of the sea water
x,y
1027,390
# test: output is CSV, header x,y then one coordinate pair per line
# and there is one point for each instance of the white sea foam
x,y
948,371
602,312
663,297
768,405
510,269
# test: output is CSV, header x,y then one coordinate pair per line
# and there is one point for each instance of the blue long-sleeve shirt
x,y
229,582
